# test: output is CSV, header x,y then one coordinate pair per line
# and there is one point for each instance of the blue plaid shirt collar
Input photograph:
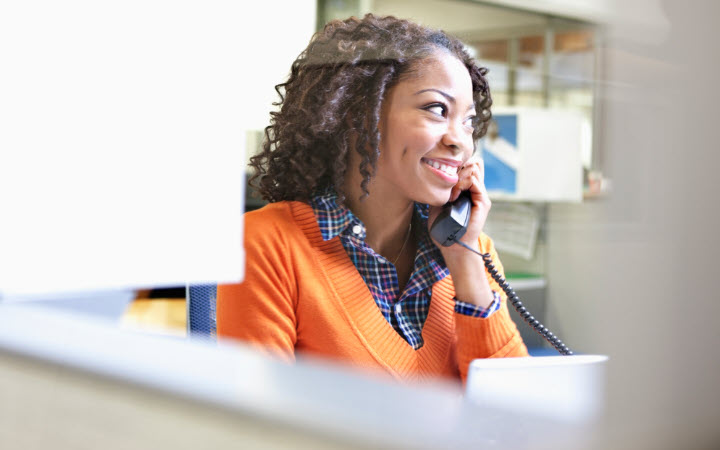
x,y
335,219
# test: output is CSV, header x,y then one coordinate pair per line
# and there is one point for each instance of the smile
x,y
451,170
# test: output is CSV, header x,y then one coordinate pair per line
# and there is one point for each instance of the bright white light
x,y
123,126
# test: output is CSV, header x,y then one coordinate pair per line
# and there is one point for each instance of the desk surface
x,y
310,398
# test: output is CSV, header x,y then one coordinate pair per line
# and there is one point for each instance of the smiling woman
x,y
426,130
375,132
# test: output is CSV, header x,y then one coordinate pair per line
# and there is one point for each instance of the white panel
x,y
551,144
123,126
538,157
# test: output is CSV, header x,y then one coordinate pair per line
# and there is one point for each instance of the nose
x,y
455,137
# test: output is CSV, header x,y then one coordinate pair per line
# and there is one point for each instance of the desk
x,y
69,382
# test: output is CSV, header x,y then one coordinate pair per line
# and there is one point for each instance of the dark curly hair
x,y
332,99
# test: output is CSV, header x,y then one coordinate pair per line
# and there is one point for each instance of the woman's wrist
x,y
468,273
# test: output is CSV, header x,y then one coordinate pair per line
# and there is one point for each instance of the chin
x,y
435,198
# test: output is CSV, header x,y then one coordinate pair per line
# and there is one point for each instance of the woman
x,y
375,132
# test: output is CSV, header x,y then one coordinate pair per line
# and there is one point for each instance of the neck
x,y
386,216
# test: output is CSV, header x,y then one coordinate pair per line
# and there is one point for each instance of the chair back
x,y
201,301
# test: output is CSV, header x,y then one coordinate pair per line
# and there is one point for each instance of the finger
x,y
474,179
463,184
480,165
465,176
473,160
475,166
456,190
466,168
479,186
474,184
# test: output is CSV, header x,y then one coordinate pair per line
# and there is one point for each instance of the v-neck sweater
x,y
303,295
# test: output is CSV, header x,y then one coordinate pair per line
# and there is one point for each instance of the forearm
x,y
468,274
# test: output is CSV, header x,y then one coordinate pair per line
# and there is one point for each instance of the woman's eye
x,y
437,109
471,121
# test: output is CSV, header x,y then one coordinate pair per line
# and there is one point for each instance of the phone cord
x,y
515,300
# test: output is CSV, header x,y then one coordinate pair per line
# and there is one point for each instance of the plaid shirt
x,y
406,311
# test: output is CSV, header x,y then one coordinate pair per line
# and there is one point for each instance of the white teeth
x,y
450,170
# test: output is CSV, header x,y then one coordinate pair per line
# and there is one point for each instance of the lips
x,y
444,169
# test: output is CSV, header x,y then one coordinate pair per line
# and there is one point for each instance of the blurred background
x,y
613,105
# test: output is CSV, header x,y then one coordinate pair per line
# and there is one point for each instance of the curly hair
x,y
331,102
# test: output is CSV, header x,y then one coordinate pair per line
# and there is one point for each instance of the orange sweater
x,y
302,294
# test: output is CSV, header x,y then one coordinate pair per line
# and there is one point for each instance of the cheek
x,y
407,141
422,139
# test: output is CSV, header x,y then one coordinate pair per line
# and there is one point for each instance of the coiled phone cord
x,y
513,298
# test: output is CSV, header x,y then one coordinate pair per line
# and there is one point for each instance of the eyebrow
x,y
444,94
450,98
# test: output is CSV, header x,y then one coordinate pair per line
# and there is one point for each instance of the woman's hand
x,y
467,268
472,179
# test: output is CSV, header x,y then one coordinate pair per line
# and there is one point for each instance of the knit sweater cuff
x,y
493,337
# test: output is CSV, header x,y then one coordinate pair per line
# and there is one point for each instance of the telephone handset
x,y
447,229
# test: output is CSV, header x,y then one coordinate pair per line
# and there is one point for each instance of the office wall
x,y
457,16
634,276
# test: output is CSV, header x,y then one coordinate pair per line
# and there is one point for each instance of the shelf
x,y
526,283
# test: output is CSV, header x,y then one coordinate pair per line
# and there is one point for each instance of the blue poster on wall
x,y
500,154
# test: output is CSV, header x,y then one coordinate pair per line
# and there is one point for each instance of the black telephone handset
x,y
451,224
447,229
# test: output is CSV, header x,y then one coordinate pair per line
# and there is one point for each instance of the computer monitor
x,y
122,162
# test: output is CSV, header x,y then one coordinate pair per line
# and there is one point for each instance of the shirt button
x,y
357,229
380,259
398,308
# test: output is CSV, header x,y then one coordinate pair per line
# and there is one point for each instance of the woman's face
x,y
426,130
